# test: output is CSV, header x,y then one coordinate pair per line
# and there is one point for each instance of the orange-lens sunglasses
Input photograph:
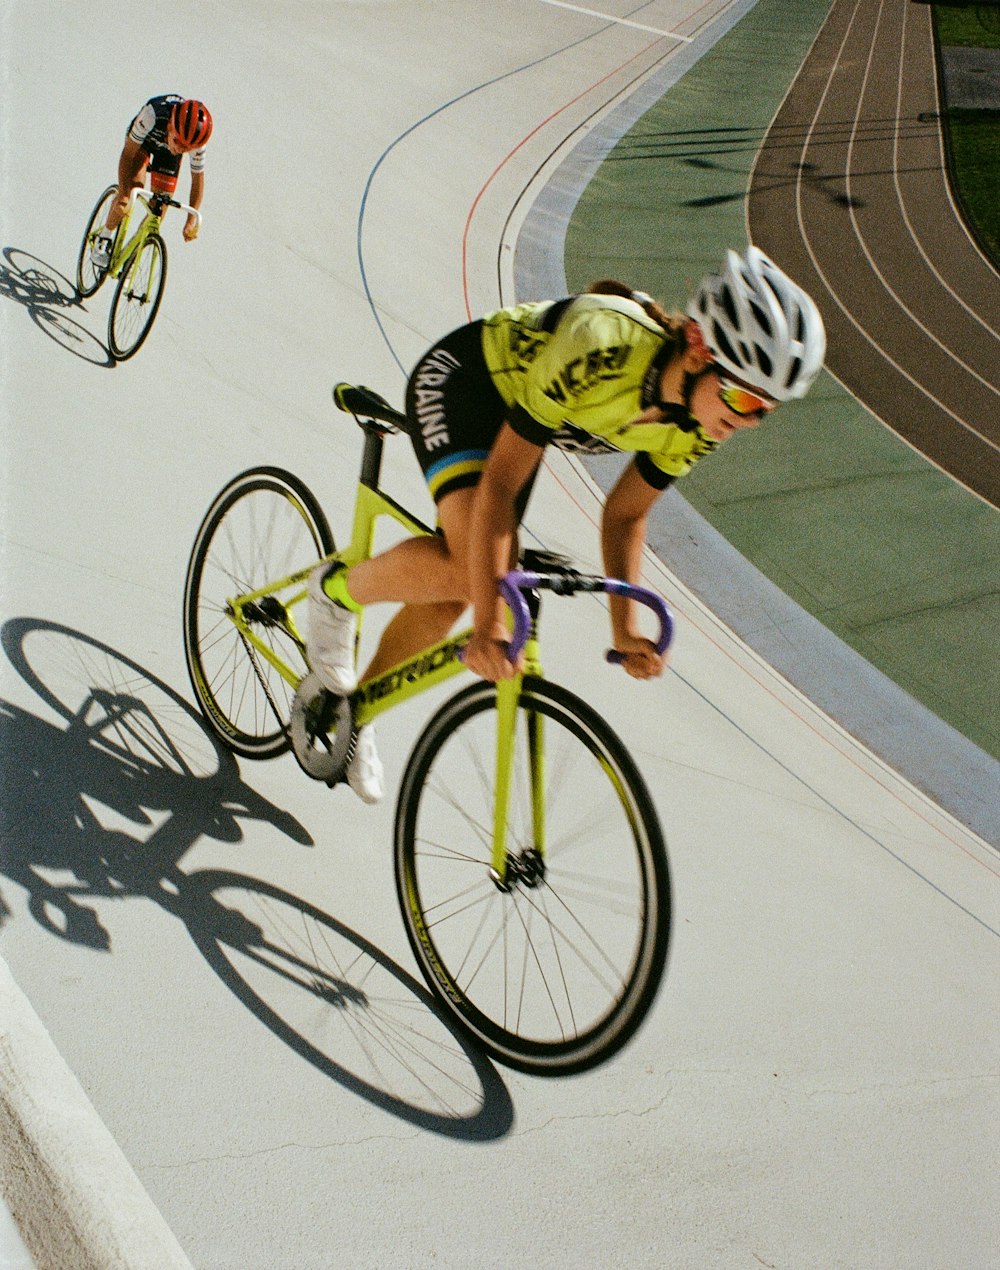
x,y
743,402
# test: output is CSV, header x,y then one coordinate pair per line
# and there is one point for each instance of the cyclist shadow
x,y
104,803
47,296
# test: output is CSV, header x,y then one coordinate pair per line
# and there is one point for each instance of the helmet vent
x,y
763,320
729,305
724,347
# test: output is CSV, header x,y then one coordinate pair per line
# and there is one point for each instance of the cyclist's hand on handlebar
x,y
640,658
191,227
489,657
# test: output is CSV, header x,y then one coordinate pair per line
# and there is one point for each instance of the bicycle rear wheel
x,y
137,299
88,277
554,974
263,526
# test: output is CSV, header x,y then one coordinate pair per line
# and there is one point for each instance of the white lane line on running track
x,y
943,282
856,224
607,17
831,291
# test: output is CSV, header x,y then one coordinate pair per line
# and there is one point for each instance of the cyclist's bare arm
x,y
623,537
511,464
193,223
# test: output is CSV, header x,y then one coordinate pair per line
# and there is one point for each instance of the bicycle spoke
x,y
137,297
263,527
553,970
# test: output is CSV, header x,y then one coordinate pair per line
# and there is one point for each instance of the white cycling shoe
x,y
332,637
100,253
365,772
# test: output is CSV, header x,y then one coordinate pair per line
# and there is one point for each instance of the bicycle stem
x,y
146,197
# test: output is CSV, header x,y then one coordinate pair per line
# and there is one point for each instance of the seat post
x,y
371,460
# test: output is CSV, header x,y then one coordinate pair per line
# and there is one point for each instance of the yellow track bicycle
x,y
138,261
530,866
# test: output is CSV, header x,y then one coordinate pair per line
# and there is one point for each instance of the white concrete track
x,y
817,1085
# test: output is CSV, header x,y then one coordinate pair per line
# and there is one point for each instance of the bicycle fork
x,y
527,865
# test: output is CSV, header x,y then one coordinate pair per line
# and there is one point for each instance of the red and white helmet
x,y
192,122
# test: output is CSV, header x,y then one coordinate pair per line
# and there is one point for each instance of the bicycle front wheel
x,y
88,277
137,298
262,527
553,974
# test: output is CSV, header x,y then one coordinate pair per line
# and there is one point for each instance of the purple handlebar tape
x,y
517,580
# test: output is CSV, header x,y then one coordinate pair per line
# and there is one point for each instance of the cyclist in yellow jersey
x,y
609,370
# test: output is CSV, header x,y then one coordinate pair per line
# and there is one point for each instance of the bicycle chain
x,y
252,654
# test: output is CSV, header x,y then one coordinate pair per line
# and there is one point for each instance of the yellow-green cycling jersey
x,y
577,373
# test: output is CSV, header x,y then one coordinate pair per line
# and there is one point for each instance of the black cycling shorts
x,y
454,411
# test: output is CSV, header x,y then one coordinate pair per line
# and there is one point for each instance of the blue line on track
x,y
469,92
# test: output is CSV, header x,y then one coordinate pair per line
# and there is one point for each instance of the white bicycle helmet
x,y
760,326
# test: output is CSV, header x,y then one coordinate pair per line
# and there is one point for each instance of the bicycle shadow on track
x,y
103,804
47,296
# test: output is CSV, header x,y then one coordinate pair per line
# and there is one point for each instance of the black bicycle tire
x,y
84,292
603,1041
278,480
119,353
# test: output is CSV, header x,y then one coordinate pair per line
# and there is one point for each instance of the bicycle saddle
x,y
358,400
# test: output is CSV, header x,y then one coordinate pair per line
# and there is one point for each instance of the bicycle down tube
x,y
530,866
441,661
124,250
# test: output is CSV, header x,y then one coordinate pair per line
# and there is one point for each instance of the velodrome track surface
x,y
889,563
816,1085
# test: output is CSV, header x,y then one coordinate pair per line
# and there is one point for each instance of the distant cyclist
x,y
164,130
604,371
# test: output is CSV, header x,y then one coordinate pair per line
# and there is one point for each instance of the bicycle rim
x,y
137,299
554,975
263,526
89,279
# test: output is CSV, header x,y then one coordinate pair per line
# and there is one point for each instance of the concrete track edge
x,y
73,1196
931,755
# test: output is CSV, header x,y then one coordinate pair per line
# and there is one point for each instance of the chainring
x,y
321,730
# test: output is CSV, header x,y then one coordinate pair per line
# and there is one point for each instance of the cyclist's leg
x,y
414,627
164,169
418,567
418,573
131,176
426,576
455,413
419,570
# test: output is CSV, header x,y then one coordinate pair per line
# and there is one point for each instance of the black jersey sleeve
x,y
650,473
